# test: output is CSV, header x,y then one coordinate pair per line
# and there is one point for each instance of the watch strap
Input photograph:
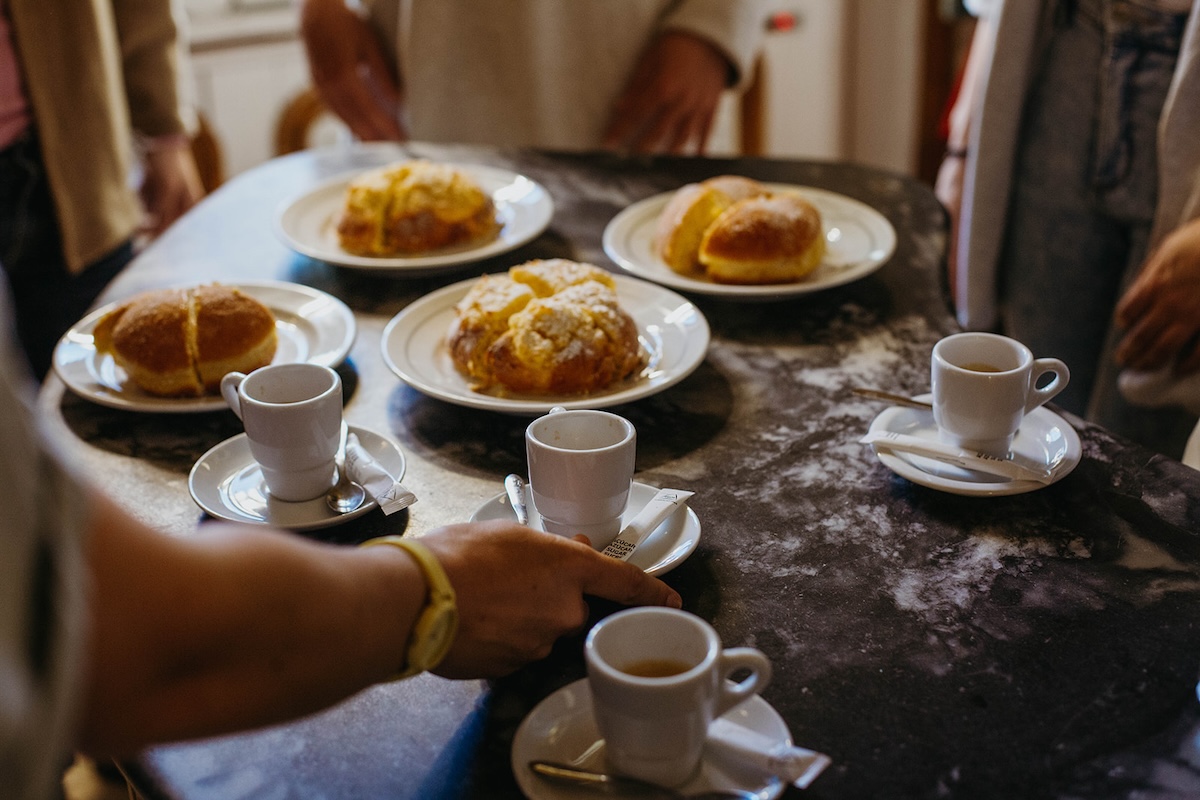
x,y
436,625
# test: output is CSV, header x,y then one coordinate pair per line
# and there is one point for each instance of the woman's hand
x,y
1161,309
519,590
350,70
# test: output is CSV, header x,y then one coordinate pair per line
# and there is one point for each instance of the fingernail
x,y
674,600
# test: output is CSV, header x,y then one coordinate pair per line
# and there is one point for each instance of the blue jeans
x,y
1084,191
47,297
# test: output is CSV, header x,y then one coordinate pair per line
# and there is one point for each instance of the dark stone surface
x,y
1039,645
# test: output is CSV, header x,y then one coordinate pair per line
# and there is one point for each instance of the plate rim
x,y
905,469
186,405
239,441
444,298
650,206
539,220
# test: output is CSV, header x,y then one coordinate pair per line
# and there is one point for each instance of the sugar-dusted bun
x,y
682,224
181,342
234,333
772,239
546,327
736,187
413,207
149,337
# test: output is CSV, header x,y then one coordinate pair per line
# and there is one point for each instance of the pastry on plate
x,y
545,327
732,229
181,342
413,207
775,238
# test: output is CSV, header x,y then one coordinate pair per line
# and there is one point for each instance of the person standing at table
x,y
637,75
1073,153
114,636
82,83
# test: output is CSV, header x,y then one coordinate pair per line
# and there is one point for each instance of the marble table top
x,y
934,645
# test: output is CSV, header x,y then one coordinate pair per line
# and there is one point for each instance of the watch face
x,y
439,628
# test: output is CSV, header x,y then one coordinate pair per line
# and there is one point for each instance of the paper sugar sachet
x,y
734,744
385,490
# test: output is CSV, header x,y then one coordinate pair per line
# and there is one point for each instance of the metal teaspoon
x,y
515,487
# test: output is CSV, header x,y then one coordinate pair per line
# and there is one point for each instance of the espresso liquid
x,y
657,668
978,366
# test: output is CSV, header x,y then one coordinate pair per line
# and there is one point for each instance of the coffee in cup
x,y
658,678
983,386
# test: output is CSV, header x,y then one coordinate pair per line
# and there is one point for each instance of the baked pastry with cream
x,y
413,207
545,327
733,229
181,342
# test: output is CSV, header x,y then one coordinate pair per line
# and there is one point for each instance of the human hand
x,y
172,182
1161,309
350,70
519,590
671,96
948,189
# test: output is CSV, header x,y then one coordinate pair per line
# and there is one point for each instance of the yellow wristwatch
x,y
437,624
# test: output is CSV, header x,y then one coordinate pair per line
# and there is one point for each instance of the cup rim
x,y
630,431
948,341
334,383
711,653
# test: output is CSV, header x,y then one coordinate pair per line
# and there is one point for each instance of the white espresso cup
x,y
580,471
293,419
983,386
658,678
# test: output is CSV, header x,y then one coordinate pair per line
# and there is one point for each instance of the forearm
x,y
263,627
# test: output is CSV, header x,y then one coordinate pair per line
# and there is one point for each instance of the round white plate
x,y
308,223
1044,437
661,551
562,728
311,325
673,332
227,483
859,240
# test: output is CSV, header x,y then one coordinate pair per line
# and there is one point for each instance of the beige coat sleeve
x,y
736,27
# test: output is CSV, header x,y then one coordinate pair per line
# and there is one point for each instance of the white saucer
x,y
227,483
561,728
663,550
1044,437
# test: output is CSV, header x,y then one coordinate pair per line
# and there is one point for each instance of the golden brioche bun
x,y
545,327
181,342
773,239
689,212
414,207
730,229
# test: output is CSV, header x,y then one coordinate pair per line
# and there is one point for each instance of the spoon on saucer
x,y
516,497
898,399
620,786
345,495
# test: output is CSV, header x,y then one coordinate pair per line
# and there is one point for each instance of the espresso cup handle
x,y
741,658
229,390
1042,366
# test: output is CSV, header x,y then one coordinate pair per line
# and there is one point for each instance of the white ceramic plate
x,y
1044,437
312,326
673,333
308,224
227,483
562,728
664,549
859,240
